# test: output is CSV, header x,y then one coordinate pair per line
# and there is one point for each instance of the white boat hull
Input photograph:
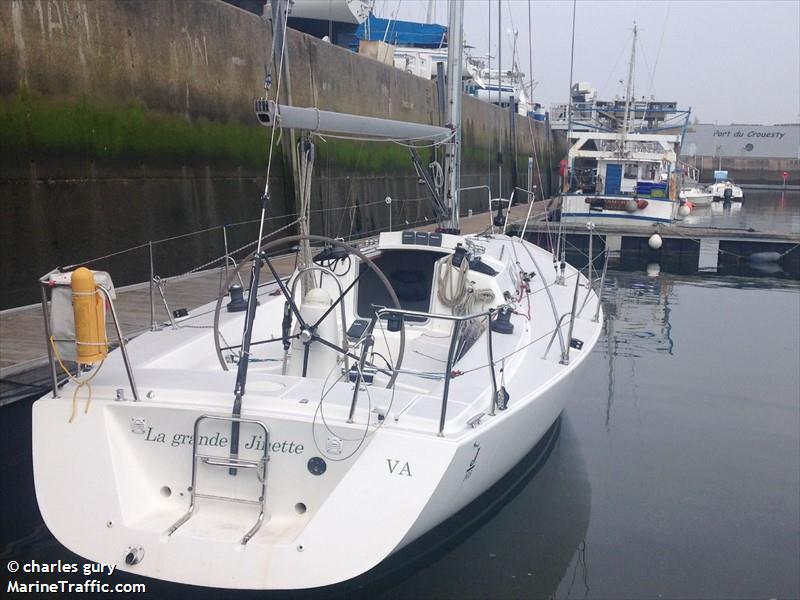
x,y
125,508
718,192
580,208
697,197
113,483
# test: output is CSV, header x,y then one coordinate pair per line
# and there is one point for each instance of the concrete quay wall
x,y
124,121
763,171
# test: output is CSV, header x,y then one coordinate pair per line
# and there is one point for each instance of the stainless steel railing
x,y
48,332
458,321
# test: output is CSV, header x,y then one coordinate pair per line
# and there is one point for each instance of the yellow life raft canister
x,y
90,319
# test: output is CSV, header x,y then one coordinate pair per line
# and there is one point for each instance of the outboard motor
x,y
728,194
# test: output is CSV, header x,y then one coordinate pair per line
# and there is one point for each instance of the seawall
x,y
126,121
762,171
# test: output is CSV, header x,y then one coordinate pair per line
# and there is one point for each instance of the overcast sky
x,y
730,61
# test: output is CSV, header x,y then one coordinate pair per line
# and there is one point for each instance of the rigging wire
x,y
660,45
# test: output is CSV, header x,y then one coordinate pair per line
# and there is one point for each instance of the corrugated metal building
x,y
756,141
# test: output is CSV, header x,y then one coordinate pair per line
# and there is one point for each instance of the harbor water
x,y
674,471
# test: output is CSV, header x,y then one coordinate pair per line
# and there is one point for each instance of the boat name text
x,y
218,440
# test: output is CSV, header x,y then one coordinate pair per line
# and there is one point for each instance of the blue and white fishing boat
x,y
625,174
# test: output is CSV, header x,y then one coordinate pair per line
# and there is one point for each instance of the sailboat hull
x,y
132,485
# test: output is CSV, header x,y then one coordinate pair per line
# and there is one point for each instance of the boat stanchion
x,y
490,353
565,352
123,348
448,374
153,325
365,348
48,334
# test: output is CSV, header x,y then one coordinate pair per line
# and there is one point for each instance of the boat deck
x,y
23,347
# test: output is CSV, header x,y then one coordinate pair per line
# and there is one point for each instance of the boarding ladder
x,y
232,462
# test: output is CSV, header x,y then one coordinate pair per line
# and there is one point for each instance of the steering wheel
x,y
310,329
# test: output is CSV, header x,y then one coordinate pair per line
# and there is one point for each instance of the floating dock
x,y
685,248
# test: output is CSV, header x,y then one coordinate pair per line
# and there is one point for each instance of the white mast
x,y
628,92
455,51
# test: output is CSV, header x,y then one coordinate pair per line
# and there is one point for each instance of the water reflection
x,y
689,426
637,308
763,210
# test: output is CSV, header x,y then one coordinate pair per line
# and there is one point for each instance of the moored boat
x,y
625,175
698,196
724,190
375,391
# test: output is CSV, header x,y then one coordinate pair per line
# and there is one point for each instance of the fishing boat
x,y
624,173
376,390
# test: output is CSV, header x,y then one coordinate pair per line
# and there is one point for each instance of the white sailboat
x,y
375,392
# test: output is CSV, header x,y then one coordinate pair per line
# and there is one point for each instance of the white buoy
x,y
684,210
655,241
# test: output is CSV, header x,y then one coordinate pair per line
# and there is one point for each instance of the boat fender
x,y
90,322
764,257
631,205
655,241
641,204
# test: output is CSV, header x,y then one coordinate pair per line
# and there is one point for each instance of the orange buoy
x,y
90,318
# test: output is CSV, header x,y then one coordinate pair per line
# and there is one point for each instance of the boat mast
x,y
628,93
455,51
500,53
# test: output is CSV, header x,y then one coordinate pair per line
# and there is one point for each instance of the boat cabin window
x,y
631,170
410,273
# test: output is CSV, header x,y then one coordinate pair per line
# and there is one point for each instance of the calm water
x,y
763,210
675,473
